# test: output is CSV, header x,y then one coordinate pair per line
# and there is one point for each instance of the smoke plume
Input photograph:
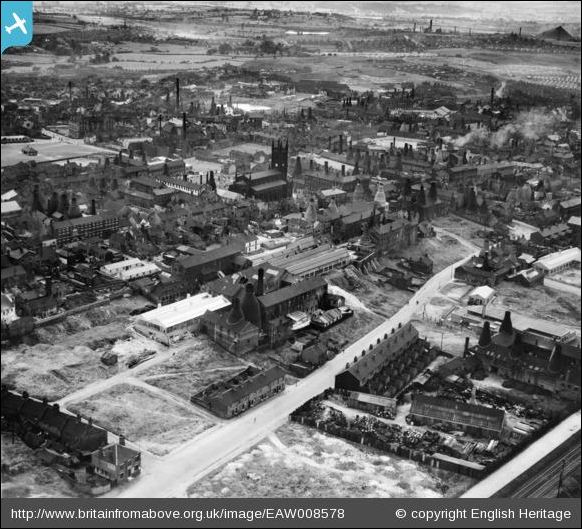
x,y
530,125
500,90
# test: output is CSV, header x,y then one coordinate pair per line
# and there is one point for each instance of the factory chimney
x,y
48,282
177,92
466,350
261,282
485,338
93,207
341,143
506,325
326,166
343,170
250,306
184,124
492,95
235,314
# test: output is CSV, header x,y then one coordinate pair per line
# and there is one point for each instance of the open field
x,y
194,366
25,476
301,462
540,302
47,151
67,355
155,424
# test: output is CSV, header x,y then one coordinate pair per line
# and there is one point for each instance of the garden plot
x,y
196,364
25,476
302,462
154,423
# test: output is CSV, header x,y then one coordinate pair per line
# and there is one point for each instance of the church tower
x,y
279,156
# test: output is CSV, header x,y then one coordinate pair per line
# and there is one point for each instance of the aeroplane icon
x,y
19,23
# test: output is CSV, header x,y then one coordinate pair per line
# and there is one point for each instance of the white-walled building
x,y
558,261
130,269
170,323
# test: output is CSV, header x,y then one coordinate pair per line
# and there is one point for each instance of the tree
x,y
225,48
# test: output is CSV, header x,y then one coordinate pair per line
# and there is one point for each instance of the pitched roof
x,y
248,386
366,366
458,412
292,291
210,256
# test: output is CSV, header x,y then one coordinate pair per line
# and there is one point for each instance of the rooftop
x,y
292,291
184,310
557,259
458,412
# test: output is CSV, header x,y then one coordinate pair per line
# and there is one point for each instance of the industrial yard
x,y
281,251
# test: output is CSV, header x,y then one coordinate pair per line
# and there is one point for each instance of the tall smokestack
x,y
177,92
492,95
343,170
184,125
506,325
341,144
326,166
93,207
485,338
329,143
261,282
466,350
48,286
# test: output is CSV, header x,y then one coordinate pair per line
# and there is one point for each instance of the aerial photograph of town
x,y
268,249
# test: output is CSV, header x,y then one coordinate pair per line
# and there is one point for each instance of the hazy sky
x,y
537,11
542,11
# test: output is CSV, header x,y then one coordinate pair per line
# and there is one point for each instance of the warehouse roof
x,y
184,310
555,260
458,412
292,291
210,256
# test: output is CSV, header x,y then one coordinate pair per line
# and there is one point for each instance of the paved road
x,y
171,476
